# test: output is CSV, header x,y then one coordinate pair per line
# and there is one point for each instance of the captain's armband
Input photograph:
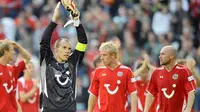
x,y
81,47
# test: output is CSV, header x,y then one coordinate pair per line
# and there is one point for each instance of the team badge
x,y
66,65
175,76
119,74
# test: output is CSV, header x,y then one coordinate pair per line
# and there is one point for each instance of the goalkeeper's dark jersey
x,y
58,80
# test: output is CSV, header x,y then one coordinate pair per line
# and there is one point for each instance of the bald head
x,y
168,55
170,50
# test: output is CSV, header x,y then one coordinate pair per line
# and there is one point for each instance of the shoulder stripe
x,y
133,80
178,67
160,68
123,66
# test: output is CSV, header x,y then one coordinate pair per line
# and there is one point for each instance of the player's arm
x,y
91,102
45,48
19,109
147,60
151,92
133,97
24,53
190,89
148,102
93,90
75,19
197,78
132,91
82,39
139,71
191,64
190,102
25,96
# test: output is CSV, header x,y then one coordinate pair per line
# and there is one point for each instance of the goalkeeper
x,y
58,68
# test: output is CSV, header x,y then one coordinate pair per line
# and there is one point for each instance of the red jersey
x,y
112,85
171,87
8,82
141,93
33,102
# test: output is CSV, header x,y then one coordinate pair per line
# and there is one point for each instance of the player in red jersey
x,y
112,83
28,90
191,63
170,83
9,75
142,76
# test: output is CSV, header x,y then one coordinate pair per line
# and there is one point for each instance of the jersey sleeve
x,y
189,82
131,83
45,48
78,53
152,88
94,87
18,68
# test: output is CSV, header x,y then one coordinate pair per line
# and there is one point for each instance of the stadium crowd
x,y
136,26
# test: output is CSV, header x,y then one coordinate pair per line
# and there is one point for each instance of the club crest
x,y
120,74
175,76
66,65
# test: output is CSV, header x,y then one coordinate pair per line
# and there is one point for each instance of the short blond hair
x,y
109,47
4,46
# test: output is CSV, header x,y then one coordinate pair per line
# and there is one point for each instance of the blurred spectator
x,y
161,21
8,24
2,35
10,8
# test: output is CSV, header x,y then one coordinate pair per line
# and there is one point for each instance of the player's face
x,y
100,64
164,57
63,50
106,58
10,53
30,68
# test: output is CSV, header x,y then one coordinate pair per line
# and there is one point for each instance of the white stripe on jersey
x,y
22,80
133,80
178,67
99,101
122,66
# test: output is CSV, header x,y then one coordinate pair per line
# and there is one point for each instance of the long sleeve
x,y
82,38
80,49
45,49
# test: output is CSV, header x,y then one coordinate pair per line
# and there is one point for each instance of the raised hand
x,y
56,14
71,7
191,63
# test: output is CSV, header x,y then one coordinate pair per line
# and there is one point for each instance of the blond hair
x,y
4,46
57,43
109,47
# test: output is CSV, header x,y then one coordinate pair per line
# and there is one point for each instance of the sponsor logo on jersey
x,y
169,95
66,65
103,74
